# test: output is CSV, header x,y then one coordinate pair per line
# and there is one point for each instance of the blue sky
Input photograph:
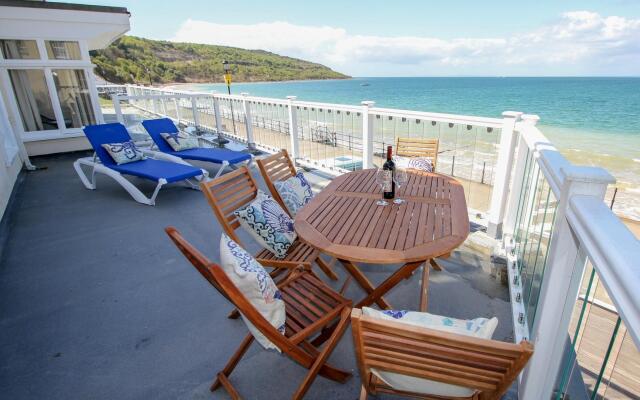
x,y
413,38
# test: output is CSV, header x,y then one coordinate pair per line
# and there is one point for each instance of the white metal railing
x,y
556,224
338,138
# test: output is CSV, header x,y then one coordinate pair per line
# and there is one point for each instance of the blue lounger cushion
x,y
156,127
156,169
212,155
148,168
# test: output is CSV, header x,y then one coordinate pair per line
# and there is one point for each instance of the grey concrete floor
x,y
96,303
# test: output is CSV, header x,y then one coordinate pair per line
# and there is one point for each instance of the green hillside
x,y
128,59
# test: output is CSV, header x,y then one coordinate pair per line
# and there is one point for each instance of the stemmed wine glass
x,y
382,179
400,178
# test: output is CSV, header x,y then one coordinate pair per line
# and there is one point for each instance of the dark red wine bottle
x,y
389,191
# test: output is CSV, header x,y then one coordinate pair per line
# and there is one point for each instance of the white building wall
x,y
10,161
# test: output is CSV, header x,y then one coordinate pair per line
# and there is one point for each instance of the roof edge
x,y
63,6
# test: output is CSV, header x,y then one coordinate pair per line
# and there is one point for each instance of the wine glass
x,y
400,178
382,179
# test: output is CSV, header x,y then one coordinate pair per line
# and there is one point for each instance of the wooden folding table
x,y
344,221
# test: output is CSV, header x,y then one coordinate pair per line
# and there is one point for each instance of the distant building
x,y
48,90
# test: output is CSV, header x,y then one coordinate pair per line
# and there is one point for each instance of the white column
x,y
518,178
502,175
116,107
293,127
216,114
559,292
248,121
367,135
93,94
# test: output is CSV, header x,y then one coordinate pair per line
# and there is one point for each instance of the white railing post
x,y
248,122
367,135
194,110
500,191
559,291
293,127
163,104
216,114
116,107
508,226
176,104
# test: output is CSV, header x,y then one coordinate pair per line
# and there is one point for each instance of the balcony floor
x,y
95,302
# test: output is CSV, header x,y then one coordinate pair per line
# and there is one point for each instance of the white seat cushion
x,y
180,141
123,153
256,285
419,163
295,192
478,327
268,223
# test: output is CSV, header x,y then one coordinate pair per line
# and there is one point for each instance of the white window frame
x,y
47,66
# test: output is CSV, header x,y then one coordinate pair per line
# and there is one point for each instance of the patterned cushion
x,y
124,152
479,327
180,141
268,223
295,192
256,285
419,163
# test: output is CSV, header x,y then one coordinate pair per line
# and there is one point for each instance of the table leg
x,y
364,283
424,288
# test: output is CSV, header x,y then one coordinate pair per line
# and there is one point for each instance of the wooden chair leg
x,y
326,268
324,354
346,284
231,364
363,393
424,288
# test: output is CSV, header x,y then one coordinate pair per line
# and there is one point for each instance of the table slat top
x,y
345,222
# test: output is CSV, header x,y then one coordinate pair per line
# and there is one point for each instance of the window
x,y
62,50
19,49
75,100
32,96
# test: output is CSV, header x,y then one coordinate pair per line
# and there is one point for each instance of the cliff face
x,y
136,60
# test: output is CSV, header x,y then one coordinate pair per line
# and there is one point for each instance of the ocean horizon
x,y
591,120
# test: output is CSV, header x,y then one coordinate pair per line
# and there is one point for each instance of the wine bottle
x,y
389,166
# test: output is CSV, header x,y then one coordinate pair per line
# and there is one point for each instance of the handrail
x,y
614,253
441,117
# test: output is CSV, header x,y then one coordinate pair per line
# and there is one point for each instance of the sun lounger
x,y
162,171
224,157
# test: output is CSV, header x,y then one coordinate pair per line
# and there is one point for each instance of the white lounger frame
x,y
98,167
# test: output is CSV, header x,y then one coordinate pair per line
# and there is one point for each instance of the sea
x,y
591,120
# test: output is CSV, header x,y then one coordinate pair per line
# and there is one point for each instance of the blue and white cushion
x,y
478,327
295,192
124,152
420,163
256,285
180,141
268,223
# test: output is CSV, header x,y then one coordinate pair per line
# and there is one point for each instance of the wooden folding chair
x,y
487,367
311,308
418,147
280,167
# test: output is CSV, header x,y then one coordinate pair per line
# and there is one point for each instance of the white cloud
x,y
579,42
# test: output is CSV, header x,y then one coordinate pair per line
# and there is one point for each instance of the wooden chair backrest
x,y
216,276
485,365
277,167
229,193
418,147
